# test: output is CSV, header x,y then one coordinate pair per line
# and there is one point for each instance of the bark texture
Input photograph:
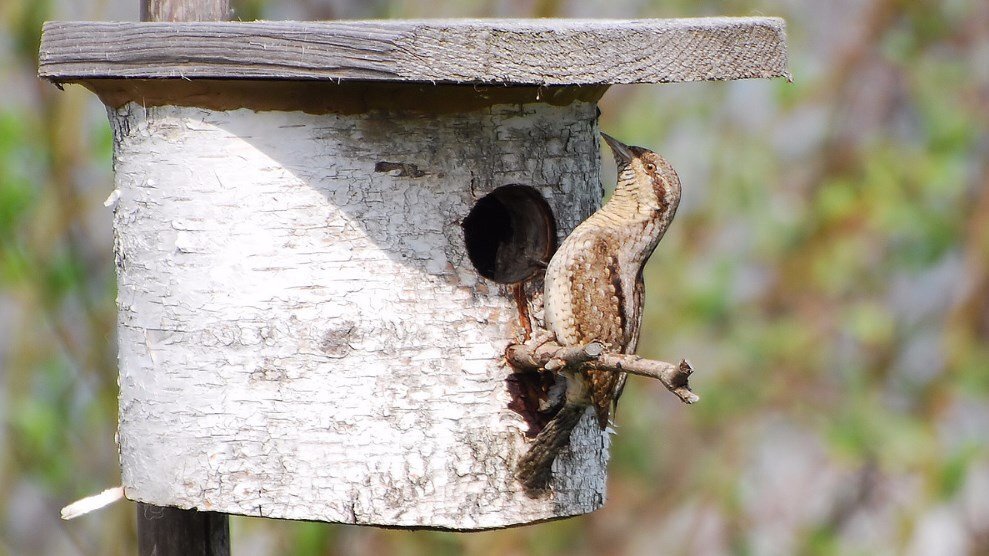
x,y
302,334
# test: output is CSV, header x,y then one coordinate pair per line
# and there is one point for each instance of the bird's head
x,y
646,175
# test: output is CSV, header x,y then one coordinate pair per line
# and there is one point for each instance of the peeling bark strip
x,y
303,335
518,52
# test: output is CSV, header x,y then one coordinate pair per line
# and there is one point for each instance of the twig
x,y
553,357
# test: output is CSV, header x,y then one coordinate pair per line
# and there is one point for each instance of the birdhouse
x,y
320,229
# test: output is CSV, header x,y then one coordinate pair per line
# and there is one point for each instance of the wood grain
x,y
185,10
511,52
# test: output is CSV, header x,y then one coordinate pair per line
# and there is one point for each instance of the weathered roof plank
x,y
510,52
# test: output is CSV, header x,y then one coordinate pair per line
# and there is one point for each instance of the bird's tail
x,y
534,470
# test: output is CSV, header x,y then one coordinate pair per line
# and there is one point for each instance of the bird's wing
x,y
598,313
631,332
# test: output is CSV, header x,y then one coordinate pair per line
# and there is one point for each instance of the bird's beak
x,y
623,155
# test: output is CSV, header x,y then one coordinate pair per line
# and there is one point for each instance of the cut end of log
x,y
594,349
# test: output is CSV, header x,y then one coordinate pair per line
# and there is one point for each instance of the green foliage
x,y
311,538
16,192
40,424
953,470
26,21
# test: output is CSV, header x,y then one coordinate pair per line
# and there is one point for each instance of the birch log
x,y
302,334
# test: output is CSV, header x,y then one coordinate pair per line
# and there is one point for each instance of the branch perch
x,y
553,357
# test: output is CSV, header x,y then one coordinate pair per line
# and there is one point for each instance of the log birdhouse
x,y
316,229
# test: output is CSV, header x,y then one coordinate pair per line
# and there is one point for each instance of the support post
x,y
167,531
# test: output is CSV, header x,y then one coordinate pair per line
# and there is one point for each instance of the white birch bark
x,y
303,337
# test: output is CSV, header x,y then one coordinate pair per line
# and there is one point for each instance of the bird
x,y
594,292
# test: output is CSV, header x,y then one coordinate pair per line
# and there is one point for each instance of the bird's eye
x,y
650,167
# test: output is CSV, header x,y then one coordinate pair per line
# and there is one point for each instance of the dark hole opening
x,y
510,234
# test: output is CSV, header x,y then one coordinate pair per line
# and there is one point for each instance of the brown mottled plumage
x,y
594,291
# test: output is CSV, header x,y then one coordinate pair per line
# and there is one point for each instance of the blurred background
x,y
828,274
